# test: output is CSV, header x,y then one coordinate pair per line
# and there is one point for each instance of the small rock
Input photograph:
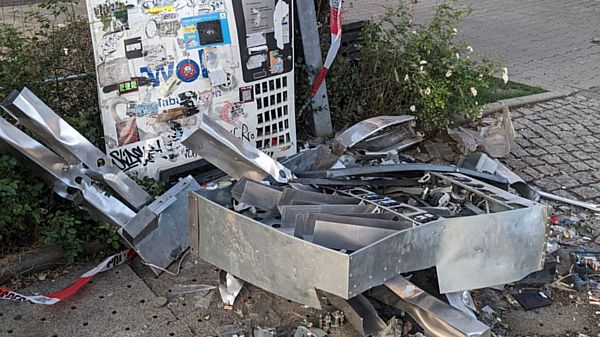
x,y
206,318
160,302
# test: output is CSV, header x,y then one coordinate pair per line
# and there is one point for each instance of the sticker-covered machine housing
x,y
164,64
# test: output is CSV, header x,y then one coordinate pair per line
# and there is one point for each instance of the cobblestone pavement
x,y
559,146
548,43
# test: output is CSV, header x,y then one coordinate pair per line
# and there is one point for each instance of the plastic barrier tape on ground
x,y
108,264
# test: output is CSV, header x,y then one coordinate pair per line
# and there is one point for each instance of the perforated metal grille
x,y
275,120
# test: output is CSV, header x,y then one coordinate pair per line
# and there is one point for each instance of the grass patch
x,y
498,91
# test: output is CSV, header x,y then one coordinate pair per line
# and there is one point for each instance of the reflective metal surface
x,y
229,287
255,194
72,146
69,181
502,247
436,317
362,130
233,156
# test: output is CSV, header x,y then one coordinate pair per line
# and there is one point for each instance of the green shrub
x,y
404,69
31,212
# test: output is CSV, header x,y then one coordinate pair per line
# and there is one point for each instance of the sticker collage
x,y
164,64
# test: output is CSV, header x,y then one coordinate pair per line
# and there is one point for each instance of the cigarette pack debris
x,y
532,299
586,263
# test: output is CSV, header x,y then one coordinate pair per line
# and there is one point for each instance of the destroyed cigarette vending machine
x,y
164,64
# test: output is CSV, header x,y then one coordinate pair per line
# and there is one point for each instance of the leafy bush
x,y
404,69
31,212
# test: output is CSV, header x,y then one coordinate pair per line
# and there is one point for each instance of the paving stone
x,y
555,149
515,164
565,181
523,142
519,152
579,166
586,177
581,155
548,170
533,173
564,194
588,148
569,147
547,184
566,168
532,161
528,134
526,177
593,163
536,151
586,192
551,159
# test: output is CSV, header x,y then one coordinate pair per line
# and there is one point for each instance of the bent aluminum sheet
x,y
62,138
362,130
469,252
68,181
232,155
255,194
436,317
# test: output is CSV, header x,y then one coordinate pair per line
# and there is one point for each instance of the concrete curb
x,y
525,100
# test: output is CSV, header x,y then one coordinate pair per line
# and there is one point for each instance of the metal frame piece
x,y
69,181
401,168
503,247
255,194
436,317
232,155
368,127
290,213
72,146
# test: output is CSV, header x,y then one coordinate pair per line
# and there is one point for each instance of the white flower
x,y
66,51
423,62
505,75
476,103
406,78
449,73
470,49
427,91
473,91
454,31
414,32
413,108
421,68
457,56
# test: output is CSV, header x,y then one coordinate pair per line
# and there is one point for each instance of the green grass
x,y
499,91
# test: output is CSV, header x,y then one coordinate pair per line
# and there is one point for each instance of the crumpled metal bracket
x,y
366,128
75,149
232,155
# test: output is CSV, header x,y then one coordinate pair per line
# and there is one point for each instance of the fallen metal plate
x,y
232,155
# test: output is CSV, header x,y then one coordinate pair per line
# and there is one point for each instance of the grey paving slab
x,y
117,303
548,43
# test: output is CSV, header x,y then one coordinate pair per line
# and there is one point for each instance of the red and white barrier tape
x,y
108,264
335,26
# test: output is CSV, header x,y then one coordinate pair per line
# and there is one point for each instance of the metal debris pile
x,y
351,221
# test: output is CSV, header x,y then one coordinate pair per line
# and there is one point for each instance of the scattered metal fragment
x,y
462,301
232,155
359,312
180,289
366,128
434,316
255,194
582,204
229,287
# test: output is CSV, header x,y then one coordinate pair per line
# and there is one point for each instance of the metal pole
x,y
307,18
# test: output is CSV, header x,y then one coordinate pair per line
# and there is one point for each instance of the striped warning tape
x,y
55,297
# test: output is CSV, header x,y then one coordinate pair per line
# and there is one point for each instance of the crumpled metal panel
x,y
368,127
436,317
360,313
170,239
69,181
501,248
62,138
264,256
232,155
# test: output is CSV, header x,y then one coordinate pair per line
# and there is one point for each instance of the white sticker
x,y
217,76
